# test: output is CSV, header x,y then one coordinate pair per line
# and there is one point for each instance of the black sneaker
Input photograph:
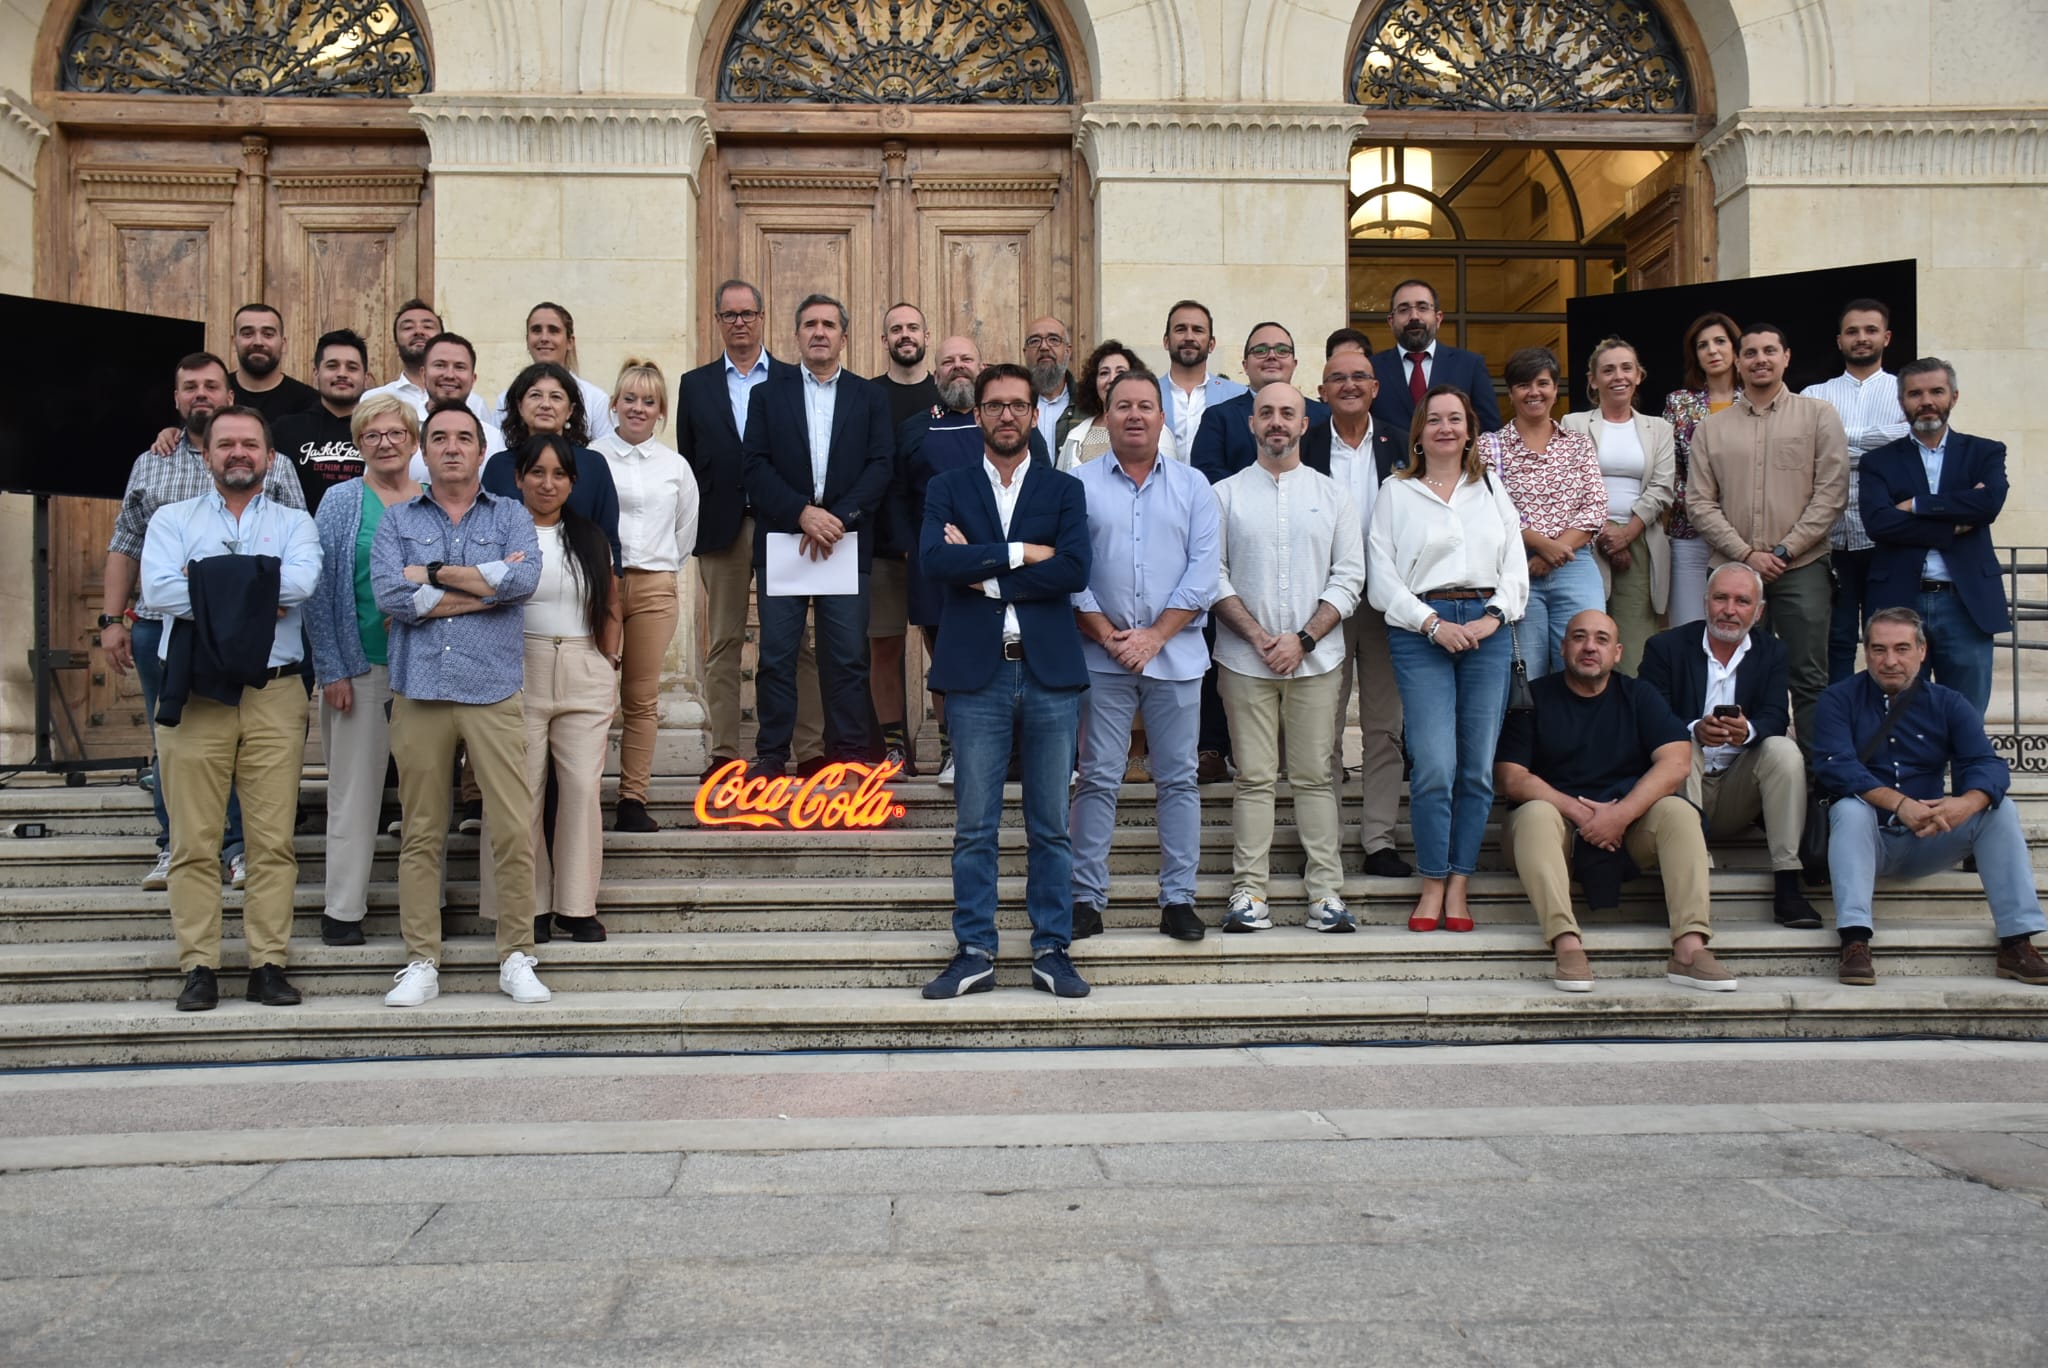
x,y
968,973
1385,864
1087,922
202,991
1179,921
1052,972
1789,907
334,931
267,985
543,928
898,754
588,930
472,818
632,816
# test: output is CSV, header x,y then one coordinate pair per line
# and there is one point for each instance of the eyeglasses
x,y
1270,349
1347,377
1004,408
1037,340
383,437
732,318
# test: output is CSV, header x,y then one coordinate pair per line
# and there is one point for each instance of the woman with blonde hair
x,y
1639,468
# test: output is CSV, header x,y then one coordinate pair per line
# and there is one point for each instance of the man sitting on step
x,y
1890,817
1595,771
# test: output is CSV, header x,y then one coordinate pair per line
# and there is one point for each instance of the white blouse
x,y
556,608
1419,542
657,502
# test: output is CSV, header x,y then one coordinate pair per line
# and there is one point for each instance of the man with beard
x,y
413,331
1417,361
1730,678
912,393
1929,501
1595,772
1188,388
259,381
240,726
1009,541
1048,351
1866,396
200,390
317,442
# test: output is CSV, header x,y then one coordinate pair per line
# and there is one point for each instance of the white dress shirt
x,y
1871,417
1408,367
1188,408
597,408
658,502
739,387
1419,543
1289,542
1355,468
821,402
1720,693
1006,505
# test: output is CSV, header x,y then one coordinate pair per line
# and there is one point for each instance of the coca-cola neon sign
x,y
823,802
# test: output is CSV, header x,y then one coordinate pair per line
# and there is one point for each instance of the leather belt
x,y
1013,650
290,671
1937,586
1456,594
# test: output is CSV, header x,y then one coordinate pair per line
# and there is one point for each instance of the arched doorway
x,y
205,154
1520,155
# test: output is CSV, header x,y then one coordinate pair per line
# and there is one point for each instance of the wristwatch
x,y
1498,613
1780,552
113,619
1308,643
434,573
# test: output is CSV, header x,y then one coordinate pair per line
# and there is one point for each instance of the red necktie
x,y
1417,386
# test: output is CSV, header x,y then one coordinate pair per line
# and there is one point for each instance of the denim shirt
x,y
475,657
1940,729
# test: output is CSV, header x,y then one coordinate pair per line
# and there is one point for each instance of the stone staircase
x,y
731,939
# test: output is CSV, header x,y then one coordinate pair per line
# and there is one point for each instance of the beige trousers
x,y
652,608
1259,709
357,744
424,733
1668,837
1379,725
569,699
728,583
257,748
1768,778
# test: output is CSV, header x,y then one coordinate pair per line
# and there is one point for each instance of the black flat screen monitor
x,y
101,392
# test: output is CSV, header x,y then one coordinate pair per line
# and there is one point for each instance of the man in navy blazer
x,y
819,456
1224,443
1743,764
1928,502
1414,316
1009,541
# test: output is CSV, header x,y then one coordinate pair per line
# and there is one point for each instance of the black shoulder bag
x,y
1813,841
1520,700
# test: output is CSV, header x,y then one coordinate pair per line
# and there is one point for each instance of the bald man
x,y
1048,351
1595,771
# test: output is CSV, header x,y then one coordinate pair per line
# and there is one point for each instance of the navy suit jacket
x,y
709,441
1893,473
1395,407
1052,510
1224,443
778,456
1674,663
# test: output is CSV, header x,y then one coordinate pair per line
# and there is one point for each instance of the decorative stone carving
x,y
1907,147
581,136
23,128
1233,142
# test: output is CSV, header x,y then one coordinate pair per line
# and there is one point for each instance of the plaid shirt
x,y
154,481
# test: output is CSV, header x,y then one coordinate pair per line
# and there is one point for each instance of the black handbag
x,y
1813,841
1520,700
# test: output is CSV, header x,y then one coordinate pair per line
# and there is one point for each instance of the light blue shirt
x,y
473,657
1156,547
196,529
1930,461
740,384
821,402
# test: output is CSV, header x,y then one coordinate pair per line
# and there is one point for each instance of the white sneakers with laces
x,y
159,876
418,983
517,981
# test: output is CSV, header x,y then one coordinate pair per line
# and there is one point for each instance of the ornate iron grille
x,y
982,52
360,49
1549,56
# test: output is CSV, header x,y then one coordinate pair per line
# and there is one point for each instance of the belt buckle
x,y
1013,650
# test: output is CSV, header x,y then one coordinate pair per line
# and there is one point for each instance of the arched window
x,y
1533,56
932,52
352,49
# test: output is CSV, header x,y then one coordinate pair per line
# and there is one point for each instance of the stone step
x,y
98,971
358,1026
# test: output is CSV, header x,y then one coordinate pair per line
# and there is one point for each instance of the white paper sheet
x,y
792,574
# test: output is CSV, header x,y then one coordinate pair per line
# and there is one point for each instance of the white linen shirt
x,y
1288,542
1006,505
658,502
1720,691
1420,542
1871,417
1355,468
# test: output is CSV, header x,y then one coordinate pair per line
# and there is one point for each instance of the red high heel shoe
x,y
1457,923
1427,924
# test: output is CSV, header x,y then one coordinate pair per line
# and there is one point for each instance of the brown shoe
x,y
1574,972
2023,962
1210,769
1704,973
1856,966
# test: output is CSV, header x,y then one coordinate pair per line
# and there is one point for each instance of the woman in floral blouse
x,y
1553,476
1710,387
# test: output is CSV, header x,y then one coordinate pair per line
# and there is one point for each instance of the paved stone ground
x,y
1833,1203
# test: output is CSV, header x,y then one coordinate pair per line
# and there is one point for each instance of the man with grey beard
x,y
1048,351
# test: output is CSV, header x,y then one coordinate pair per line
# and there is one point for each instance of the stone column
x,y
1238,205
590,201
23,130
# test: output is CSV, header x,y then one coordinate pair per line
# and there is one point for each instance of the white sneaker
x,y
517,981
1247,912
159,876
238,871
418,982
946,770
1330,914
396,827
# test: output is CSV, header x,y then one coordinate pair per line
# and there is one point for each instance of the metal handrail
x,y
2024,751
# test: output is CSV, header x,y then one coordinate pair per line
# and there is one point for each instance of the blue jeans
x,y
1453,705
981,723
1845,627
1860,852
148,636
842,652
1173,715
1554,599
1958,651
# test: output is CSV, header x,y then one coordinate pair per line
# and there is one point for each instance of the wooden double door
x,y
333,231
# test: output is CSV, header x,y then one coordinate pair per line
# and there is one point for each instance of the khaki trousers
x,y
357,744
1667,837
728,582
1767,778
1631,605
649,602
1379,725
1307,708
424,733
569,698
256,748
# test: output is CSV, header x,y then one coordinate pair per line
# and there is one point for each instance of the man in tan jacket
x,y
1770,474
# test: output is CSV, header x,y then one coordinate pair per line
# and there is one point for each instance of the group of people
x,y
1624,624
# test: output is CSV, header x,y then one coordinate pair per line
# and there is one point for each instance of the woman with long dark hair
x,y
1710,386
551,336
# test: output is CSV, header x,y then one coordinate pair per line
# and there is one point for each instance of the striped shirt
x,y
1871,414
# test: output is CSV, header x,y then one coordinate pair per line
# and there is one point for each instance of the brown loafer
x,y
1574,973
2023,962
1856,966
1210,769
1703,972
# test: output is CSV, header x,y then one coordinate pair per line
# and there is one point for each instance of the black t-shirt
x,y
286,396
319,447
905,400
1594,748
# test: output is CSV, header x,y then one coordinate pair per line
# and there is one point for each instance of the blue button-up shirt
x,y
739,384
1156,548
1931,458
196,529
1941,734
474,657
